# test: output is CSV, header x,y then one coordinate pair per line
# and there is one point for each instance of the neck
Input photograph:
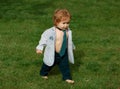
x,y
59,28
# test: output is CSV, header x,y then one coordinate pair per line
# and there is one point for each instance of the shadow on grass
x,y
78,56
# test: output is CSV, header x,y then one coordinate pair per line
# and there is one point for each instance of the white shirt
x,y
48,39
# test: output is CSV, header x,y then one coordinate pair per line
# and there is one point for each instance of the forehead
x,y
65,19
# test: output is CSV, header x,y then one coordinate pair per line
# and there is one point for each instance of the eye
x,y
68,22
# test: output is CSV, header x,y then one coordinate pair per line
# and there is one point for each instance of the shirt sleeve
x,y
73,46
42,42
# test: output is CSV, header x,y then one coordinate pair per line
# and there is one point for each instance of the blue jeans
x,y
62,63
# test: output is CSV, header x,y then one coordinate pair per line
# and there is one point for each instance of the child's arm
x,y
38,51
73,46
42,43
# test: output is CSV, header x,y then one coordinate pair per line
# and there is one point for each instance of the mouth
x,y
66,28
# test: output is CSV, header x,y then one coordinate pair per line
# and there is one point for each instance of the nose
x,y
66,25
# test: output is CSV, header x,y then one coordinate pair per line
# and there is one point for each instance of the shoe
x,y
69,81
45,77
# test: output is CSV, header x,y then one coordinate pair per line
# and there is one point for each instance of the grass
x,y
95,25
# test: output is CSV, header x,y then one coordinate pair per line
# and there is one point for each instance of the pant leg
x,y
45,69
64,67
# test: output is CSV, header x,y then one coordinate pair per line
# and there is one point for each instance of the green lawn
x,y
96,34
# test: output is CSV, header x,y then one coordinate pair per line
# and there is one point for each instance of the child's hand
x,y
38,51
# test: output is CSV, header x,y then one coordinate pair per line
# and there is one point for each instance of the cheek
x,y
61,25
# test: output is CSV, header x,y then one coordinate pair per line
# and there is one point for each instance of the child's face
x,y
64,24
